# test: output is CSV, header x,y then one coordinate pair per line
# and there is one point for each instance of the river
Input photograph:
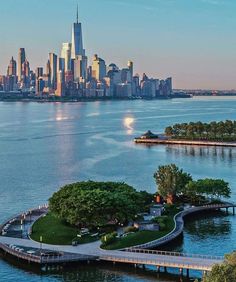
x,y
46,145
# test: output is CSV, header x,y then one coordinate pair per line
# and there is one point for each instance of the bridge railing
x,y
26,213
21,255
179,224
173,254
197,265
63,258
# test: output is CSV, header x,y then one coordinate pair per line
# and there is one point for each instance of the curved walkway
x,y
179,225
134,255
93,252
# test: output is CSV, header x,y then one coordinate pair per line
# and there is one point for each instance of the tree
x,y
208,187
171,180
225,272
94,204
213,131
169,131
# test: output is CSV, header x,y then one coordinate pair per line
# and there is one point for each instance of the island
x,y
114,222
221,134
120,216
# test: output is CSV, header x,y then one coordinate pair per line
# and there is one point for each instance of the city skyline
x,y
195,66
69,76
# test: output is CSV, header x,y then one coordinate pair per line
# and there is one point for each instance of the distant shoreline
x,y
84,99
184,142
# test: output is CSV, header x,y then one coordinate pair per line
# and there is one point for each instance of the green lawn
x,y
141,237
56,232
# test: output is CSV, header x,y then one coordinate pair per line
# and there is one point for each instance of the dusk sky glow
x,y
194,41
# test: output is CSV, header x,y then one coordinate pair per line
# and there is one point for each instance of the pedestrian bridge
x,y
139,255
92,251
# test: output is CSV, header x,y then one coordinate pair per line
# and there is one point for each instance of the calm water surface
x,y
44,146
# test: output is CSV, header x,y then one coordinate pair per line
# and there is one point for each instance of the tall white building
x,y
66,55
98,68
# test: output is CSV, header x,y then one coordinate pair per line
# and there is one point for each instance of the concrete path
x,y
93,249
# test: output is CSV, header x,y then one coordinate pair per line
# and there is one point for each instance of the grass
x,y
141,237
57,232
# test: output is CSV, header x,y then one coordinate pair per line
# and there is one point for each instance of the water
x,y
44,146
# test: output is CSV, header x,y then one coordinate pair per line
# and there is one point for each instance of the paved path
x,y
131,255
93,250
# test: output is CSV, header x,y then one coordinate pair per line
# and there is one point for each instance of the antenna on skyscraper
x,y
77,15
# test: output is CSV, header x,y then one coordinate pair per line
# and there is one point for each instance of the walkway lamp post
x,y
21,227
41,244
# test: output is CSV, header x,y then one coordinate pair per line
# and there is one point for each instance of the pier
x,y
168,141
142,255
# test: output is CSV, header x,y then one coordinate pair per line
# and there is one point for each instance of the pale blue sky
x,y
192,40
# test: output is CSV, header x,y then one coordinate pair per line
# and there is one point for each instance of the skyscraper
x,y
78,57
53,70
131,68
80,68
60,92
11,70
21,60
39,72
77,39
66,55
98,68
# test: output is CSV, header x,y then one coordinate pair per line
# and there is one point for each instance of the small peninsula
x,y
221,134
120,216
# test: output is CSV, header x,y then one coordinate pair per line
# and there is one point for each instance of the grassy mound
x,y
141,237
57,232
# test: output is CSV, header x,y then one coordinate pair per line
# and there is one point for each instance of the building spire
x,y
77,14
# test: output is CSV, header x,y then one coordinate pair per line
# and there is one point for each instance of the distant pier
x,y
151,139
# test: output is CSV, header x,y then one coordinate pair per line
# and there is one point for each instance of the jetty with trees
x,y
222,133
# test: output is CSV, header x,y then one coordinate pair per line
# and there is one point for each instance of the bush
x,y
170,209
162,226
130,229
108,238
162,221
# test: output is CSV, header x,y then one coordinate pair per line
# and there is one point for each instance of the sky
x,y
194,41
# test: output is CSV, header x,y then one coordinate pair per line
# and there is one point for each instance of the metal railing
x,y
197,265
179,224
20,215
45,259
174,254
21,255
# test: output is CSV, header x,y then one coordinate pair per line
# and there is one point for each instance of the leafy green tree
x,y
225,272
171,180
213,131
169,131
208,187
95,204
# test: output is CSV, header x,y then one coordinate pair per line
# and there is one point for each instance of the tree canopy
x,y
208,187
213,131
225,272
98,203
171,180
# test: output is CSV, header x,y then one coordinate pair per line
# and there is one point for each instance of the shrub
x,y
130,229
108,238
162,226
